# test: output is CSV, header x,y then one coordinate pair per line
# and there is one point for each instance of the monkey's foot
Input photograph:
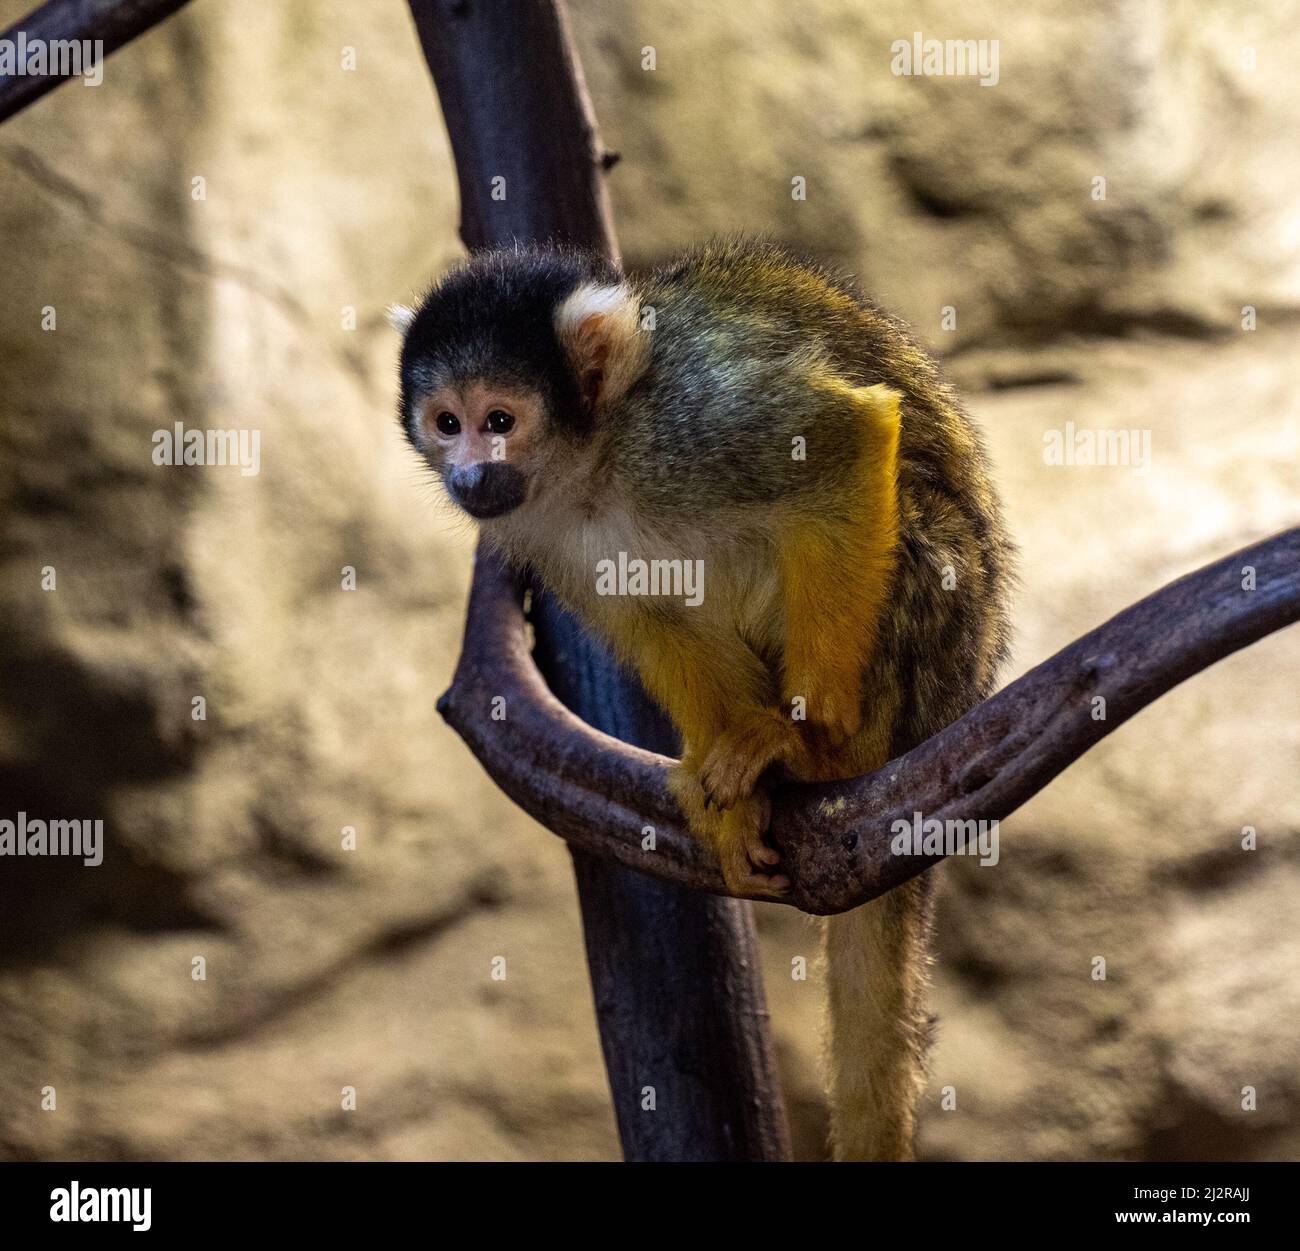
x,y
684,786
839,715
748,863
740,754
834,708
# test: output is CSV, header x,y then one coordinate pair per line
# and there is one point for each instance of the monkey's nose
x,y
487,488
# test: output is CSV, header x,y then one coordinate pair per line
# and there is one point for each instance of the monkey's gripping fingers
x,y
684,784
739,755
748,863
707,822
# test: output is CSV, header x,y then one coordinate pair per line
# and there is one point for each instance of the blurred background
x,y
971,210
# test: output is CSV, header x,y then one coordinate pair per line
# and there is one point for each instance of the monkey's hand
x,y
748,864
738,756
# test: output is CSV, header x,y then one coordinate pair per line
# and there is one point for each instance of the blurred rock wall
x,y
330,851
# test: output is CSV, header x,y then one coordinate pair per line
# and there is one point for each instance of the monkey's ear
x,y
599,327
400,317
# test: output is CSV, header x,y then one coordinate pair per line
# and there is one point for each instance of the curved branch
x,y
605,797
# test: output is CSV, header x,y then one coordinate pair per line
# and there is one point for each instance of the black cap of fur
x,y
493,318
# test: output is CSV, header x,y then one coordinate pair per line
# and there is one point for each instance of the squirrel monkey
x,y
749,417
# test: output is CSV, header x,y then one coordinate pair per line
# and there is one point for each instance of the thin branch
x,y
601,795
115,22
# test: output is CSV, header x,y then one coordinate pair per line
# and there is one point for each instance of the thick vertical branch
x,y
528,158
678,995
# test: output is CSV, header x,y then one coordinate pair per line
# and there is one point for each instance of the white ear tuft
x,y
599,327
400,317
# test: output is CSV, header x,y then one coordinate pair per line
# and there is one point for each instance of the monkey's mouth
x,y
487,490
482,512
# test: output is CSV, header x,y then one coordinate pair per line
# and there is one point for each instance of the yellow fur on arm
x,y
702,682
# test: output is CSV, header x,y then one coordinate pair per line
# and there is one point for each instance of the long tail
x,y
877,963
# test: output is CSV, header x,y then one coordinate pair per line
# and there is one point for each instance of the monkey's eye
x,y
448,424
500,422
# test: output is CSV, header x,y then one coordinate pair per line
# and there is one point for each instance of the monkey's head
x,y
507,367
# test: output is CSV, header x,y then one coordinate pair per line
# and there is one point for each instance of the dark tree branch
x,y
834,837
116,22
516,108
679,999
